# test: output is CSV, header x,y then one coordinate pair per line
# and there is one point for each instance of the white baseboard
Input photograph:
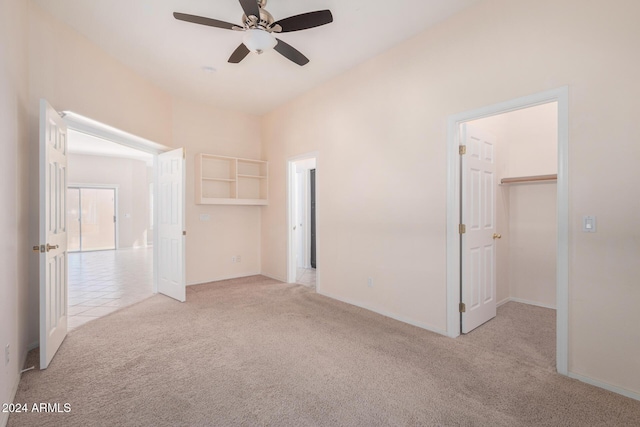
x,y
584,379
385,314
503,302
524,301
220,278
279,279
606,386
4,416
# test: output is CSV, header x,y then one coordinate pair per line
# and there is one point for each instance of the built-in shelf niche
x,y
222,180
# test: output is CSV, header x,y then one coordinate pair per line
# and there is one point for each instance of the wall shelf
x,y
222,180
529,179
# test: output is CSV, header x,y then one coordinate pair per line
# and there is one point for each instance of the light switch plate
x,y
205,217
589,224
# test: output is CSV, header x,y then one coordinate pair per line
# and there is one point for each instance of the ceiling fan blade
x,y
250,7
291,53
305,20
239,54
204,21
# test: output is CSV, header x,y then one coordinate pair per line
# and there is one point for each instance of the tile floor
x,y
306,277
104,281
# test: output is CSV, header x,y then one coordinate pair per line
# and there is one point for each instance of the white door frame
x,y
91,127
291,215
561,96
113,187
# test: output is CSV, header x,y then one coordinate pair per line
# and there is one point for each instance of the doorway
x,y
302,220
110,263
454,206
52,211
91,218
111,224
508,190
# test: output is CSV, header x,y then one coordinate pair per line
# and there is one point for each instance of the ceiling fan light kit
x,y
257,40
259,26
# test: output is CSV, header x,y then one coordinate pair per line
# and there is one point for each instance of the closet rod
x,y
522,179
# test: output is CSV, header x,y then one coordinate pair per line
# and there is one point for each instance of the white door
x,y
53,232
171,272
478,216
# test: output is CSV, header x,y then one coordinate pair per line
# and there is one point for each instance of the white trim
x,y
561,96
274,277
92,127
221,278
562,273
291,256
384,313
524,301
503,302
156,219
606,386
4,416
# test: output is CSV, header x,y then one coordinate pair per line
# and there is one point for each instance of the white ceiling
x,y
144,35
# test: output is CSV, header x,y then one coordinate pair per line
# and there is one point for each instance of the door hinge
x,y
462,150
114,218
184,233
462,307
462,228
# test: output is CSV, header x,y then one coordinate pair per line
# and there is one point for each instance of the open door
x,y
478,253
171,230
53,233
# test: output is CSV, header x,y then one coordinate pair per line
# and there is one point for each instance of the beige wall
x,y
230,230
532,243
532,149
130,177
13,244
380,130
73,74
526,214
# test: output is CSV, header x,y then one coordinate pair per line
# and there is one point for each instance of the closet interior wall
x,y
526,213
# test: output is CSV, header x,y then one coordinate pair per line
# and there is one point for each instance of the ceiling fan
x,y
259,26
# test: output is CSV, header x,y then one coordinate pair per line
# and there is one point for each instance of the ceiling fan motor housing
x,y
264,23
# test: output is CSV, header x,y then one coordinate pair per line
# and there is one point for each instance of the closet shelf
x,y
525,179
218,179
252,176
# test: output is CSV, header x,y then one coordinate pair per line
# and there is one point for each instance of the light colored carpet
x,y
259,352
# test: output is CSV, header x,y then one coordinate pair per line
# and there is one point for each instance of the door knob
x,y
51,247
497,236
